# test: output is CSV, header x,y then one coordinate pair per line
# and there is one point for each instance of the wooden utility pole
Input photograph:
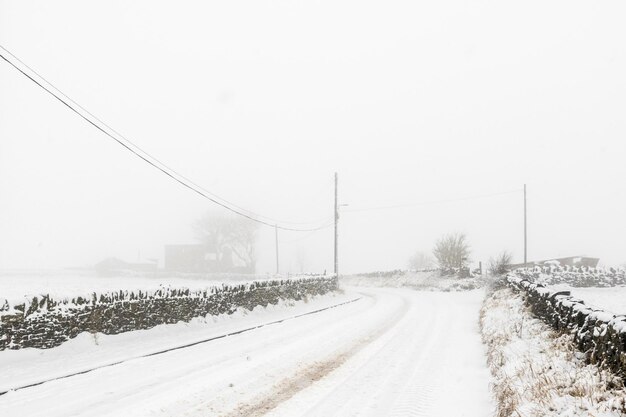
x,y
276,230
336,230
525,231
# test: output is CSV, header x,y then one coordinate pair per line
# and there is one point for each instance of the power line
x,y
145,156
136,147
310,234
424,203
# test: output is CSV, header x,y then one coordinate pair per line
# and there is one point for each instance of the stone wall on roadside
x,y
599,334
574,276
45,323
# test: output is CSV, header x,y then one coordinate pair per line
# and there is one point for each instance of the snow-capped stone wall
x,y
573,276
599,334
46,323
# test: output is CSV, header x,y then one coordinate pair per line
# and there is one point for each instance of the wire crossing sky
x,y
423,203
131,147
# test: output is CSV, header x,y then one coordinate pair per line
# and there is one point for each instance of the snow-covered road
x,y
395,352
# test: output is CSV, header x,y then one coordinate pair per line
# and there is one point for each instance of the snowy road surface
x,y
395,352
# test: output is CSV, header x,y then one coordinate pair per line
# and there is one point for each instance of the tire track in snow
x,y
321,350
371,380
403,373
408,395
311,373
407,340
384,349
417,397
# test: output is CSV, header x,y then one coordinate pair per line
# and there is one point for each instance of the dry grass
x,y
539,373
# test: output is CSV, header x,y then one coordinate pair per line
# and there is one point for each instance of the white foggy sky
x,y
260,102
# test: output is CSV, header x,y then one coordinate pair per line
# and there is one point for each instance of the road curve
x,y
395,352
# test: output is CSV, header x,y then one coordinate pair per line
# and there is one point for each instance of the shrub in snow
x,y
452,251
500,264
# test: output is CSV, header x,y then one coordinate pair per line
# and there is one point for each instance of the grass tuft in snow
x,y
538,372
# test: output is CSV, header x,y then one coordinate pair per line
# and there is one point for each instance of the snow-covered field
x,y
424,281
394,352
15,286
608,299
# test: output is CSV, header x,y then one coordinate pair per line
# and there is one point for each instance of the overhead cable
x,y
424,203
145,156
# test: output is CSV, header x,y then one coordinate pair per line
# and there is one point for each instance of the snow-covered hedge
x,y
44,322
599,334
574,276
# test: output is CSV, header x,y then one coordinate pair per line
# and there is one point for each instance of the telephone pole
x,y
525,232
336,230
276,230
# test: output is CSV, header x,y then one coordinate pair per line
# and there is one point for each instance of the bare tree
x,y
499,264
421,260
229,235
452,251
243,241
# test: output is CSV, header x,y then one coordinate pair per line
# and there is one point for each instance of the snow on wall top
x,y
62,286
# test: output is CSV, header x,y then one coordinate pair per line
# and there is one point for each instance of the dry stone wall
x,y
45,323
573,276
599,334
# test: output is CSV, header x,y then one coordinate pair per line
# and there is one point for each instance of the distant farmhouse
x,y
568,261
111,266
197,258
